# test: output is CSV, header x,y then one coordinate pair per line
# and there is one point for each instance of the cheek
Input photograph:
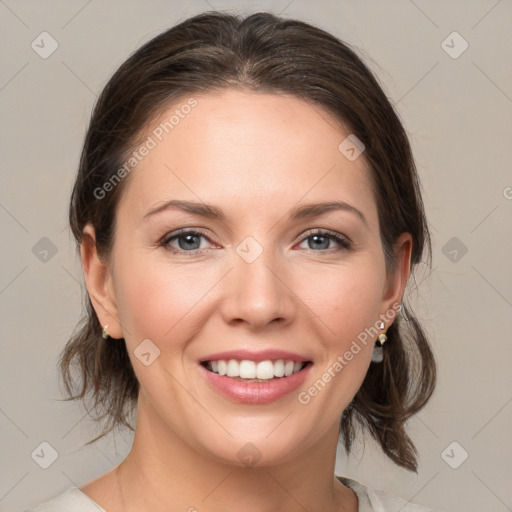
x,y
346,299
160,301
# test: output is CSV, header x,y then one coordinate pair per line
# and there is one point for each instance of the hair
x,y
268,54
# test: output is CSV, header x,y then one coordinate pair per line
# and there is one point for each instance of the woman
x,y
248,214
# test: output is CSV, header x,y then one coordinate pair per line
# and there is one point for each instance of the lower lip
x,y
255,392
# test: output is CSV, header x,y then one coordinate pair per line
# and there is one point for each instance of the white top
x,y
370,500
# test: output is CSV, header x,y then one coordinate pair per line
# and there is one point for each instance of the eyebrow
x,y
212,212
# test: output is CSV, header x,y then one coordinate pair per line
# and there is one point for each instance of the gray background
x,y
458,113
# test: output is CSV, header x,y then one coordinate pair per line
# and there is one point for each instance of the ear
x,y
98,278
397,279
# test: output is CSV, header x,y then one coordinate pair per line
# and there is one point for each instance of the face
x,y
257,274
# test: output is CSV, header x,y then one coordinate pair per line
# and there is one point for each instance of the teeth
x,y
263,370
233,369
248,369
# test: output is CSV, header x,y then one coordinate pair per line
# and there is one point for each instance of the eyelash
x,y
344,242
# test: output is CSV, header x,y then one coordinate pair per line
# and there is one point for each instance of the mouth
x,y
245,381
246,370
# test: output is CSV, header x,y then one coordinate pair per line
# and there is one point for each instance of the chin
x,y
255,451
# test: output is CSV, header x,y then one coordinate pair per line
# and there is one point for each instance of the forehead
x,y
245,148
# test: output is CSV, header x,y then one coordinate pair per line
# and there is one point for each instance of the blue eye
x,y
321,239
189,241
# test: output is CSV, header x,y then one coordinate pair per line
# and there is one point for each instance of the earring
x,y
377,354
382,338
105,334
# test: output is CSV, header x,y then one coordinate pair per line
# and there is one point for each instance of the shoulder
x,y
72,500
375,500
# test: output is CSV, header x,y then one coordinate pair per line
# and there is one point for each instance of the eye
x,y
188,241
320,240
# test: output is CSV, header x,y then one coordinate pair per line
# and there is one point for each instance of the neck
x,y
163,472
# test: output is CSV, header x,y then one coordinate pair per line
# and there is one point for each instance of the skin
x,y
254,156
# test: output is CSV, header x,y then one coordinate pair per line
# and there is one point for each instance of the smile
x,y
247,370
241,381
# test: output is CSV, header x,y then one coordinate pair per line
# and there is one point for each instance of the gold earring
x,y
378,353
105,334
382,336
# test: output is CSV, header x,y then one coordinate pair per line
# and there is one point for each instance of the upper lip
x,y
261,355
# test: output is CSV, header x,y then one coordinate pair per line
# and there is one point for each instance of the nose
x,y
257,294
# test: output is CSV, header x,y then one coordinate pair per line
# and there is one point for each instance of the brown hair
x,y
261,53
